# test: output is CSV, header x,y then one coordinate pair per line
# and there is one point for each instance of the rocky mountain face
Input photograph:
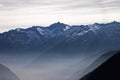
x,y
60,37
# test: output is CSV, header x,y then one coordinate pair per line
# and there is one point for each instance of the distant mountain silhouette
x,y
7,74
109,70
62,38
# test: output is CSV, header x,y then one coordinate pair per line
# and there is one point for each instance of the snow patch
x,y
82,33
93,27
40,31
18,29
66,28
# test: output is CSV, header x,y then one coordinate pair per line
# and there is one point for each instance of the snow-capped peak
x,y
66,28
40,31
93,27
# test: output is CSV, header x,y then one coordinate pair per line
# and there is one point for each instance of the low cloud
x,y
30,12
63,4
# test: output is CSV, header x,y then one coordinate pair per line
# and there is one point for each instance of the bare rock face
x,y
7,74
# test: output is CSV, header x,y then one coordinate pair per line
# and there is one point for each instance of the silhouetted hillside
x,y
7,74
109,70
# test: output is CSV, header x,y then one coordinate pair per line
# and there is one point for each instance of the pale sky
x,y
25,13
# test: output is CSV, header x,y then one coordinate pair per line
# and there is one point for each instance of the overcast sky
x,y
25,13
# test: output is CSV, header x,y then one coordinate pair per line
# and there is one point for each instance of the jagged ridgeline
x,y
60,37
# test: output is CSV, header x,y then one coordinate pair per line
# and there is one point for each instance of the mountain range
x,y
95,39
63,38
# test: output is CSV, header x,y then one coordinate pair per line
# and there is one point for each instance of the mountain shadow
x,y
109,70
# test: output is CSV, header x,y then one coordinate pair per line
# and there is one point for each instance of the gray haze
x,y
31,67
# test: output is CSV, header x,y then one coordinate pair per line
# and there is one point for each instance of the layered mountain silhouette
x,y
104,56
109,70
60,37
7,74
